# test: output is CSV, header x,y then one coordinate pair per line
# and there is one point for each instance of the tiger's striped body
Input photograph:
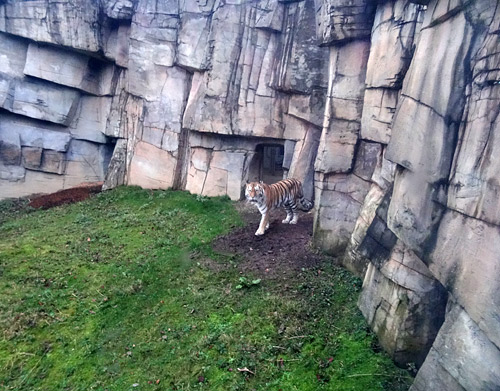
x,y
286,193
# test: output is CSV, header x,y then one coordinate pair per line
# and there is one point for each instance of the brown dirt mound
x,y
67,196
282,251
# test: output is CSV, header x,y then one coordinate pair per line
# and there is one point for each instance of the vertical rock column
x,y
394,30
464,251
163,88
345,27
401,299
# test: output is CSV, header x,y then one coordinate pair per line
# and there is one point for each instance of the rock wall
x,y
426,233
387,111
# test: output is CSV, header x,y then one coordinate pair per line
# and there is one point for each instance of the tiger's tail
x,y
305,204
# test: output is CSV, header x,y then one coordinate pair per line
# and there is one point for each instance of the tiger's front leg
x,y
264,222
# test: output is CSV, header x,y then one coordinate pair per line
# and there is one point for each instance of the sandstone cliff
x,y
386,110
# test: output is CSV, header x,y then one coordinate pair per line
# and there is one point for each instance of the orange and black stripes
x,y
283,192
286,193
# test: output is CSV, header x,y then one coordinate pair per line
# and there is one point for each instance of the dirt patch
x,y
282,251
67,196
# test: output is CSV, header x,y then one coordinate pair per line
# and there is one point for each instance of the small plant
x,y
247,283
201,198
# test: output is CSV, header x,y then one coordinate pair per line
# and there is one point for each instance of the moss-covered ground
x,y
115,293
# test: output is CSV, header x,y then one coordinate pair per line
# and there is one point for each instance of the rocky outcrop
x,y
404,305
56,102
387,111
435,210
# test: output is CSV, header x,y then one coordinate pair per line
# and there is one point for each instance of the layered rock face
x,y
425,237
387,111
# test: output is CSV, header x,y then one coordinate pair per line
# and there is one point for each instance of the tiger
x,y
287,193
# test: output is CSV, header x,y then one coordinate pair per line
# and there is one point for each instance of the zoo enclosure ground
x,y
125,291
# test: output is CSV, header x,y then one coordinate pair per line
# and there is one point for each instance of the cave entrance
x,y
267,164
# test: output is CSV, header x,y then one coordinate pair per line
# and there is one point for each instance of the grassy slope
x,y
114,294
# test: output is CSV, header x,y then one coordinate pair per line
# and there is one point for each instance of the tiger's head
x,y
254,192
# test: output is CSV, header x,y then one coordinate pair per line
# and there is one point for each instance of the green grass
x,y
115,293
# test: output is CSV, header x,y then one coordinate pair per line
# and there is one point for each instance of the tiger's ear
x,y
261,182
247,182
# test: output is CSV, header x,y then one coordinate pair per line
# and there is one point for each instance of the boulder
x,y
197,172
260,110
32,133
224,174
33,182
216,183
415,210
379,106
371,240
90,119
392,43
153,38
300,66
368,156
343,20
53,161
44,101
118,9
207,109
310,108
462,358
4,91
151,167
9,174
10,147
384,173
32,157
56,65
362,246
422,141
195,6
304,156
338,200
474,185
85,162
117,45
12,56
125,117
440,84
465,259
66,23
166,110
404,305
344,103
193,46
116,171
270,15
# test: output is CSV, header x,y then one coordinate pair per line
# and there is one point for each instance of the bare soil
x,y
67,196
283,251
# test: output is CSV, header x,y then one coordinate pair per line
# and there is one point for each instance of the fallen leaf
x,y
245,370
